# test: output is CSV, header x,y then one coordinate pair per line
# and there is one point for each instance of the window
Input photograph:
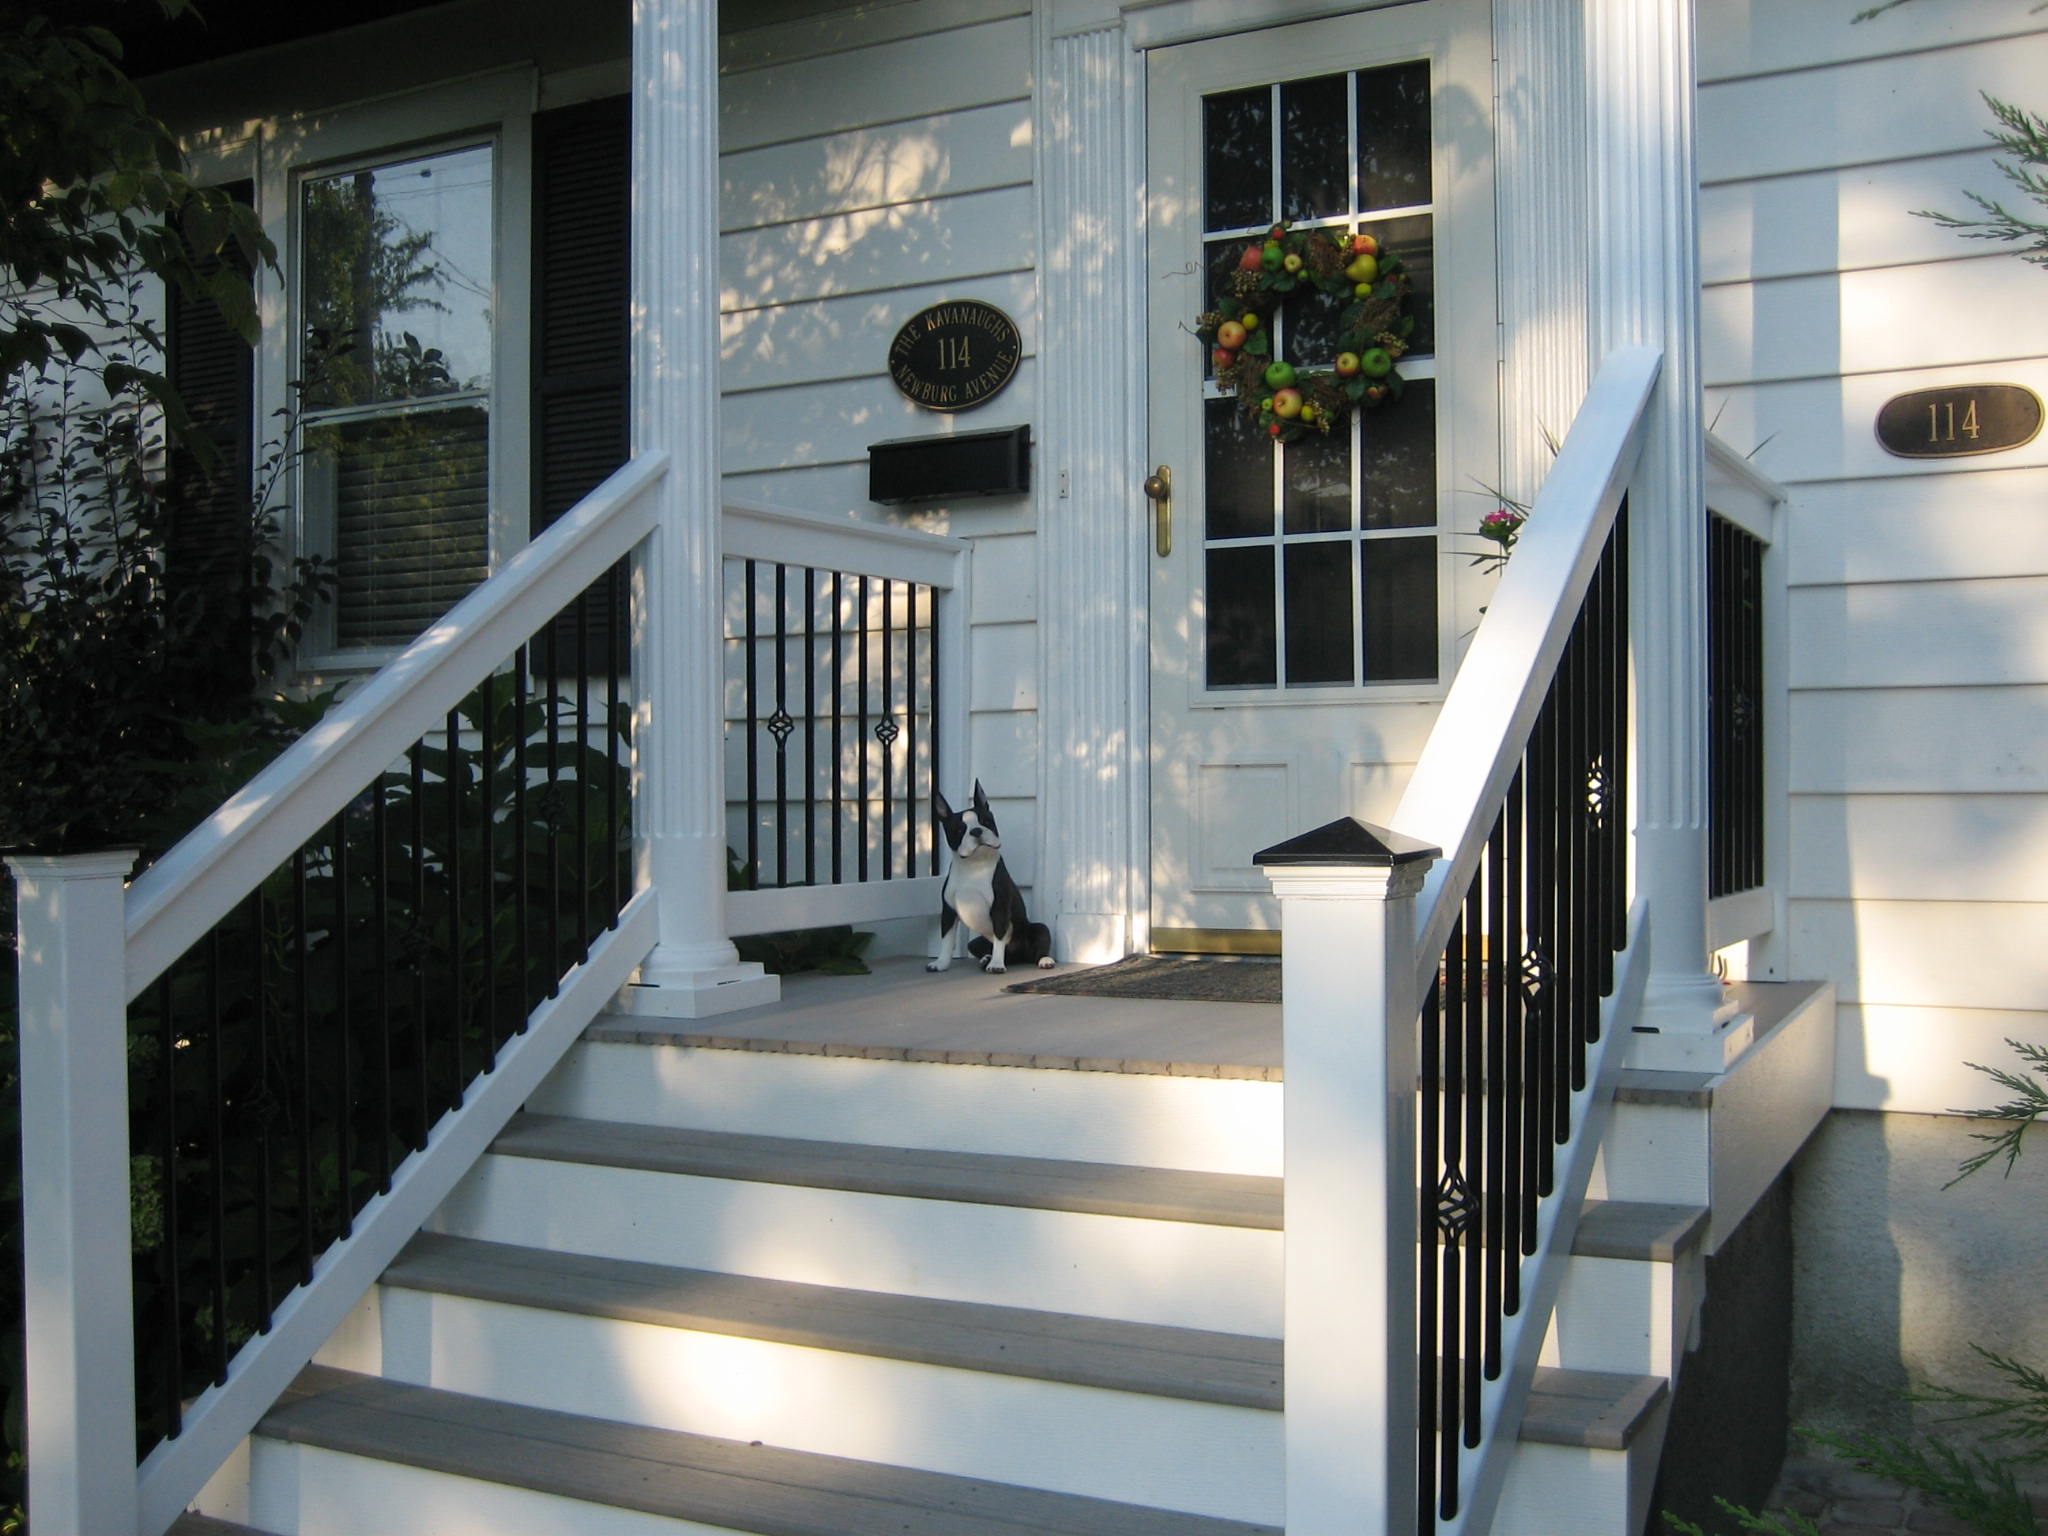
x,y
396,356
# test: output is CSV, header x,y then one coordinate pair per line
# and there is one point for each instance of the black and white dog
x,y
980,896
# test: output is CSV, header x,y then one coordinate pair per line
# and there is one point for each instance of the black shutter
x,y
581,283
210,534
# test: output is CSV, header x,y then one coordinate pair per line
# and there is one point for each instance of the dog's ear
x,y
939,804
980,801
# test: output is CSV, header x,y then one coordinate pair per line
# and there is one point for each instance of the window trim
x,y
494,108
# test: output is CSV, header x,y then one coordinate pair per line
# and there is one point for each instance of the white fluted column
x,y
678,791
1645,290
1091,510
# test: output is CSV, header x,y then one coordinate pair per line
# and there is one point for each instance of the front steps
x,y
1059,1313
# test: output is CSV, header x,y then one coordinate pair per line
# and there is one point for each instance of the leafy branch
x,y
2028,1103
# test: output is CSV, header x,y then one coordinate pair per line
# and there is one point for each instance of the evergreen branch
x,y
2021,1412
1763,1525
1970,1486
2023,136
2028,1103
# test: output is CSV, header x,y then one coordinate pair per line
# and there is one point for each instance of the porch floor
x,y
899,1012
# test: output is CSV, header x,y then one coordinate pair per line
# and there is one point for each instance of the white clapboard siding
x,y
1873,321
1928,954
1838,219
1985,521
947,71
1005,579
801,344
1825,428
1962,632
835,422
1005,667
843,28
842,490
1003,748
1917,1060
1885,741
1751,37
939,240
898,162
1903,847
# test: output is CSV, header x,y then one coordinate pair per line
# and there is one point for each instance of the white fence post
x,y
1347,915
72,938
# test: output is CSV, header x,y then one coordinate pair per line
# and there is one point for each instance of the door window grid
x,y
1241,653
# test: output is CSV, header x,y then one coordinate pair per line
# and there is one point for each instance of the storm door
x,y
1305,601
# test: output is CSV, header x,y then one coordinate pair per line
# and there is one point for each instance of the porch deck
x,y
899,1012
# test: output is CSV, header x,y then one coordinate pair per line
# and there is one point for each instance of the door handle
x,y
1159,487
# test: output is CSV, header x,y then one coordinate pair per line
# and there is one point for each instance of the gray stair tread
x,y
729,1483
1108,1189
1634,1229
1224,1368
192,1523
1598,1409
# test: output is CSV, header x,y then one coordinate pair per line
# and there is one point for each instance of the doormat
x,y
1168,978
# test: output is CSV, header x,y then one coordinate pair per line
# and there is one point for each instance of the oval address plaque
x,y
956,355
1957,421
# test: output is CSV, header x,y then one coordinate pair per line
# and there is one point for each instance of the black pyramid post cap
x,y
1348,840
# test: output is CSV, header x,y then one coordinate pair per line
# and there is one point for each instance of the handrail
x,y
173,903
1477,742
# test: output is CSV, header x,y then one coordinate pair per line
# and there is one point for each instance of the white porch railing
x,y
846,705
1418,1293
410,959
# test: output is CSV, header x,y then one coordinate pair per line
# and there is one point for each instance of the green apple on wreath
x,y
1277,398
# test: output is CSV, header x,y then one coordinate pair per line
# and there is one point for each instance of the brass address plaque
x,y
1958,421
955,356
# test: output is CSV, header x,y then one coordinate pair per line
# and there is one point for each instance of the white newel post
x,y
1640,113
1347,921
678,723
77,1301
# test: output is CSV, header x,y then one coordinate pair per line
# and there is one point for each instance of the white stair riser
x,y
305,1491
1184,1274
1623,1315
1142,1119
1657,1153
1561,1490
1166,1452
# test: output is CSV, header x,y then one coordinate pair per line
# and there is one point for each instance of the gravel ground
x,y
1842,1501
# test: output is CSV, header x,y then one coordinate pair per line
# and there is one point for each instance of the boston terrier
x,y
980,895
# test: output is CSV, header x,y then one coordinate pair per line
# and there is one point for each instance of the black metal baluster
x,y
925,810
586,926
779,725
752,702
380,920
810,727
457,777
911,673
550,651
1452,1218
885,730
344,1010
417,763
862,588
838,724
169,1321
522,864
302,1130
1473,1088
614,769
1429,1260
1498,1199
262,1110
487,871
216,1098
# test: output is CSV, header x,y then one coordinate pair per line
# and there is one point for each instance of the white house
x,y
752,1262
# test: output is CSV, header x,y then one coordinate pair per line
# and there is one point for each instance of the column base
x,y
1092,938
698,994
1689,1024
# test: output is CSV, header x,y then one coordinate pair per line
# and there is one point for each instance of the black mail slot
x,y
952,465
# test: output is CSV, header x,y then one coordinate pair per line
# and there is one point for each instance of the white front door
x,y
1309,611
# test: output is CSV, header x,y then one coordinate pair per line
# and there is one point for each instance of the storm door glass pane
x,y
1240,471
1397,451
1319,613
1318,496
1237,133
1315,148
1393,136
1398,589
1310,325
1414,237
1241,626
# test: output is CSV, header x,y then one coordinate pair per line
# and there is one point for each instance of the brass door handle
x,y
1160,488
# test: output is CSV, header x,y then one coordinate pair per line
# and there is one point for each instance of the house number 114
x,y
1958,421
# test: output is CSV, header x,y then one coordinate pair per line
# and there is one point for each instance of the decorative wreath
x,y
1275,397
